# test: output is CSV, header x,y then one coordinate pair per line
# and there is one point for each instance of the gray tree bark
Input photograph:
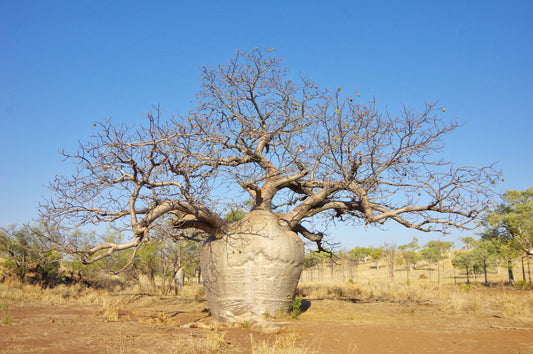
x,y
251,273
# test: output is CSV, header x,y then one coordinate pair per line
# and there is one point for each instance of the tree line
x,y
25,256
505,239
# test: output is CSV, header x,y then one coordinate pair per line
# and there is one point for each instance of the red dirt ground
x,y
40,327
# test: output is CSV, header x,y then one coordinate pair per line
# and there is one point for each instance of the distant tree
x,y
485,255
390,254
469,242
14,247
513,218
360,254
410,254
312,259
505,249
357,256
147,262
163,259
316,260
512,223
297,151
26,253
377,255
465,260
433,251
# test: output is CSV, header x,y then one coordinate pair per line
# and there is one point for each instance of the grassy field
x,y
355,303
342,271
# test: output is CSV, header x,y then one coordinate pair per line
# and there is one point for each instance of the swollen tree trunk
x,y
252,271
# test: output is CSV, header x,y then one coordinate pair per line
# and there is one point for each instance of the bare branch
x,y
258,132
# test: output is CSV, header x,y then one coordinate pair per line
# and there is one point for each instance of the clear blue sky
x,y
66,64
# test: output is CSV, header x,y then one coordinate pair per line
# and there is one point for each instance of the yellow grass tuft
x,y
213,342
5,316
286,343
516,307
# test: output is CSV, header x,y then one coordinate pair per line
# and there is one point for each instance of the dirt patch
x,y
338,337
163,325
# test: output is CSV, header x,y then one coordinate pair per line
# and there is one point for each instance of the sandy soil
x,y
144,325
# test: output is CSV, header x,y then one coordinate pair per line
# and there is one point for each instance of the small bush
x,y
296,307
465,287
523,285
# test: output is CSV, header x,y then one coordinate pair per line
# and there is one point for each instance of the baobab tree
x,y
301,154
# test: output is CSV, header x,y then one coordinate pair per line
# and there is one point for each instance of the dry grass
x,y
378,290
450,299
374,288
514,306
19,292
283,343
462,303
110,309
428,273
5,316
452,296
212,342
371,285
121,344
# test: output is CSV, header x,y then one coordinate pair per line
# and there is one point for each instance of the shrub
x,y
296,307
522,284
23,255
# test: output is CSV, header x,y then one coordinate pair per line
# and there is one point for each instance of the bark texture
x,y
252,271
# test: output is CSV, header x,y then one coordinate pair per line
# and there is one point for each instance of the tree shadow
x,y
306,304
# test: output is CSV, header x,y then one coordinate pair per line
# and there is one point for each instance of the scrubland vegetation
x,y
488,279
318,283
419,287
325,277
434,274
332,289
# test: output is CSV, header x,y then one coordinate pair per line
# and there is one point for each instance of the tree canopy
x,y
512,220
256,132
